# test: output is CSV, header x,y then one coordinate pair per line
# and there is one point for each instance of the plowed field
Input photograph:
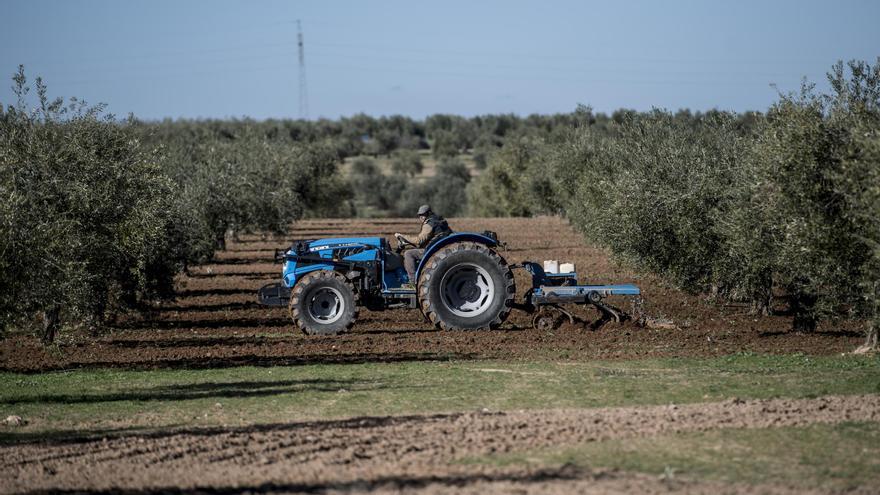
x,y
401,453
216,321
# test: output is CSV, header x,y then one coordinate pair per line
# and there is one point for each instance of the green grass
x,y
105,400
840,457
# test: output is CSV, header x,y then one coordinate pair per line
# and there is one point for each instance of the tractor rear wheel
x,y
466,286
323,303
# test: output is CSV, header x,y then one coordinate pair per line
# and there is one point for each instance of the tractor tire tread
x,y
426,275
297,293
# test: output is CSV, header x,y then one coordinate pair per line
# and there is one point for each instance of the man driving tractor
x,y
434,228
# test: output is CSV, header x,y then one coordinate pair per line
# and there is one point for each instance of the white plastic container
x,y
566,268
551,266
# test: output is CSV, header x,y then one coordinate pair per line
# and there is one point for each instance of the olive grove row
x,y
780,210
785,209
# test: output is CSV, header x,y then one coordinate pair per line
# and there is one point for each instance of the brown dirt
x,y
216,322
399,453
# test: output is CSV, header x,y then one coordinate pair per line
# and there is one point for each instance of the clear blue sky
x,y
228,58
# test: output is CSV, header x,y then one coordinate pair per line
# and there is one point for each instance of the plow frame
x,y
550,291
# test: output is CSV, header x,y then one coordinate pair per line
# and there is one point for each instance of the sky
x,y
223,58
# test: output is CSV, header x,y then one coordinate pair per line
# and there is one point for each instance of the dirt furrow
x,y
382,453
218,300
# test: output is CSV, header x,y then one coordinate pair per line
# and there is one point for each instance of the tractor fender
x,y
453,238
291,277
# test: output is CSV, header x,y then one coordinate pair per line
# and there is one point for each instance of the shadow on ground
x,y
80,436
241,359
221,390
235,274
175,342
208,324
211,308
390,483
212,292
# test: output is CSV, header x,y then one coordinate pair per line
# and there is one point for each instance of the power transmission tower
x,y
303,94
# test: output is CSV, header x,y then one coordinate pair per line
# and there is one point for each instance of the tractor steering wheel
x,y
401,242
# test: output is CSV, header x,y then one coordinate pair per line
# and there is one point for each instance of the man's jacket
x,y
433,229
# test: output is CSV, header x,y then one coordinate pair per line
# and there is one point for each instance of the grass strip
x,y
67,403
838,457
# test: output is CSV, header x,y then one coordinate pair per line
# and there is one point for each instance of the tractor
x,y
462,283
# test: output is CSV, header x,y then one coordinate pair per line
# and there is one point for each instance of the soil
x,y
391,454
216,322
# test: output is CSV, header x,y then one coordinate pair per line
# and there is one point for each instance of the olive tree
x,y
654,192
85,208
251,183
856,103
406,162
375,190
810,209
444,191
516,182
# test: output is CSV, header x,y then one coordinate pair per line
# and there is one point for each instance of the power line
x,y
414,66
303,94
397,62
157,73
544,55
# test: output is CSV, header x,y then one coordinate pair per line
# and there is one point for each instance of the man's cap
x,y
424,210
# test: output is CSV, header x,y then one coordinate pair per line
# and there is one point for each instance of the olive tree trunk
x,y
51,322
871,338
802,307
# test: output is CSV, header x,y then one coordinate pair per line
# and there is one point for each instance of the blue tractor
x,y
461,283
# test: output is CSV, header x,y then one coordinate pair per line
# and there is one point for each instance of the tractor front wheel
x,y
466,286
323,303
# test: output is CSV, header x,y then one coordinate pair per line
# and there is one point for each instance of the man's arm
x,y
424,235
421,238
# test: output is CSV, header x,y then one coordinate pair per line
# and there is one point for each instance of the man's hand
x,y
401,240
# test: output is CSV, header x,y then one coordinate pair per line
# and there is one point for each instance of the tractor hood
x,y
343,243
